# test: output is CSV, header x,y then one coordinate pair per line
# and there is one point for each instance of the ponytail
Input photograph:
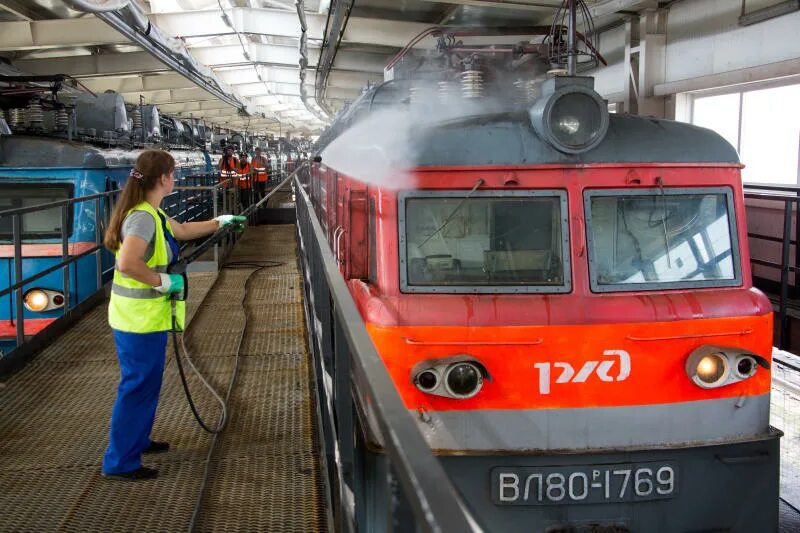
x,y
145,176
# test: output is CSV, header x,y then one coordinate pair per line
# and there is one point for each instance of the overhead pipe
x,y
126,17
310,106
334,30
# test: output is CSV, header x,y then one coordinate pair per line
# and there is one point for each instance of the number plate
x,y
584,484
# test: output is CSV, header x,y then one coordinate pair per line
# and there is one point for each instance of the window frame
x,y
736,281
68,187
687,114
566,260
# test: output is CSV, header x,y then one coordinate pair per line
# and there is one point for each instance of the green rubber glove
x,y
224,220
170,284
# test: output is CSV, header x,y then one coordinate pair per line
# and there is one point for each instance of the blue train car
x,y
37,170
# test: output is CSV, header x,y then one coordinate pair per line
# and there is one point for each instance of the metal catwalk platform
x,y
265,473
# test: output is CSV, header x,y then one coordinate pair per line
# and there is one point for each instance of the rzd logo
x,y
601,368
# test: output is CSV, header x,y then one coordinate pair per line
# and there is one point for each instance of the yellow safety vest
x,y
136,307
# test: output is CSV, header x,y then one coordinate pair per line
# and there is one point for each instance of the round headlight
x,y
427,380
573,119
36,300
463,380
746,366
712,369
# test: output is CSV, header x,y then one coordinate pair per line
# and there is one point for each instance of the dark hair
x,y
150,166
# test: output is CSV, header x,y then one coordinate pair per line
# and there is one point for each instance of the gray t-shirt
x,y
142,224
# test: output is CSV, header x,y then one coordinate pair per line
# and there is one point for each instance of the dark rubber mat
x,y
265,474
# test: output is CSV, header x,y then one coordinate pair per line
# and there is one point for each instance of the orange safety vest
x,y
260,166
227,169
244,176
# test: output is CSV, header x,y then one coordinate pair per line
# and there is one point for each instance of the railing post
x,y
343,407
399,516
797,244
321,313
98,239
787,232
65,252
16,221
215,211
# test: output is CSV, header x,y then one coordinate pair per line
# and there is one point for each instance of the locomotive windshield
x,y
486,242
661,239
38,224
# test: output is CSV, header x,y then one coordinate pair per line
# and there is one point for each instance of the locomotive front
x,y
564,302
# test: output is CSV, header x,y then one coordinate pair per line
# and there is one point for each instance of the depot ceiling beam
x,y
352,80
280,23
290,89
193,107
221,56
174,96
132,84
208,113
608,7
538,5
770,12
95,65
59,33
285,56
24,10
232,114
240,124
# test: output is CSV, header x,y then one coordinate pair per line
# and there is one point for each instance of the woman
x,y
140,310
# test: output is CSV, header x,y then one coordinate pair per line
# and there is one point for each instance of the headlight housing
x,y
710,367
463,380
458,377
41,300
570,115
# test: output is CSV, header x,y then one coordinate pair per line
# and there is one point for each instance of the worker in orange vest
x,y
227,165
260,165
245,181
228,168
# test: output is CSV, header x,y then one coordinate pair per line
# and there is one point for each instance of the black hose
x,y
180,268
258,267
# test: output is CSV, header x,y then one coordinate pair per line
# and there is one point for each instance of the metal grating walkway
x,y
265,475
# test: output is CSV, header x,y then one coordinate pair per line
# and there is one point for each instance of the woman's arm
x,y
192,230
131,261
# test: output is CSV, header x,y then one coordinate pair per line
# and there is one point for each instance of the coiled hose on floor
x,y
177,346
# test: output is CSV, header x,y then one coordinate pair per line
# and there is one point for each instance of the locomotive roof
x,y
18,151
511,140
23,151
508,138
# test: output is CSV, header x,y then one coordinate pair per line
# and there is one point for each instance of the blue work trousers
x,y
141,363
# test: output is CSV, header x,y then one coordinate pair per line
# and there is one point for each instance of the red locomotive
x,y
564,302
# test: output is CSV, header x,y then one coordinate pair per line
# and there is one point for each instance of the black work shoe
x,y
134,475
157,447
